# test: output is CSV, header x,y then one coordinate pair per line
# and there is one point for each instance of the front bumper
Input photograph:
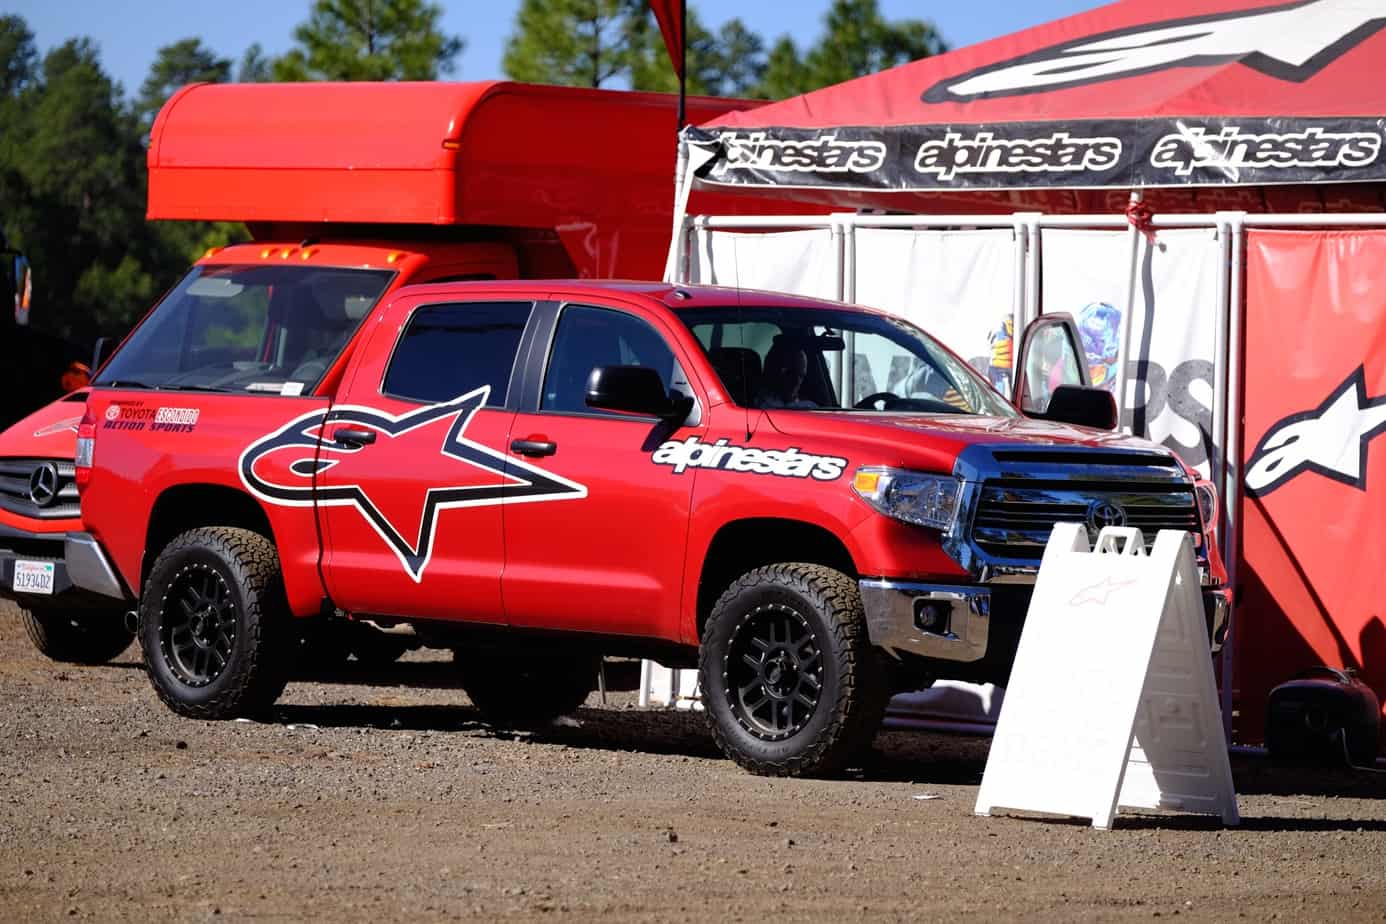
x,y
957,622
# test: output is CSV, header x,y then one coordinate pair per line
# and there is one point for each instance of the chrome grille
x,y
1015,517
14,489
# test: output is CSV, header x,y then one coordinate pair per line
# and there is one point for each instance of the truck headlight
x,y
914,497
1207,504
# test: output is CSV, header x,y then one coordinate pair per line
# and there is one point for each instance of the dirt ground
x,y
387,801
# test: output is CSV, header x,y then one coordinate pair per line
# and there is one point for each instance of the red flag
x,y
669,13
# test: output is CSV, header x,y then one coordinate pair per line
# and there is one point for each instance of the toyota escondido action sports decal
x,y
304,454
1332,439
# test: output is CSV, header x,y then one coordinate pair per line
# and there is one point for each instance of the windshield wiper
x,y
221,388
123,383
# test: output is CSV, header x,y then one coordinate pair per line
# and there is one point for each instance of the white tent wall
x,y
797,262
958,285
1174,325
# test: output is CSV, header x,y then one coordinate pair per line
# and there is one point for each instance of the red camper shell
x,y
592,170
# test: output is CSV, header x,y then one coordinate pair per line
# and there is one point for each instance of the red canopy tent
x,y
1189,97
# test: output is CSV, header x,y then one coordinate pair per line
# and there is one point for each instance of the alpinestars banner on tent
x,y
1170,392
1093,154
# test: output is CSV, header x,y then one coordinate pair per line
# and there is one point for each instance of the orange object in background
x,y
75,376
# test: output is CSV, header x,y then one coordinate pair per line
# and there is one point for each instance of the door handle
x,y
351,436
534,447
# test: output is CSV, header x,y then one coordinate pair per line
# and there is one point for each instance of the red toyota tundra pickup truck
x,y
815,503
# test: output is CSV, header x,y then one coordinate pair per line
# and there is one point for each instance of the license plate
x,y
33,577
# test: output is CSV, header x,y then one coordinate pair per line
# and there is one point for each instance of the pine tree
x,y
370,40
184,62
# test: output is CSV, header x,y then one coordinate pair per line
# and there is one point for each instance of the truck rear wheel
x,y
791,684
77,636
214,625
526,689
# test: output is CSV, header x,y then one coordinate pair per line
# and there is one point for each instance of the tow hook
x,y
132,621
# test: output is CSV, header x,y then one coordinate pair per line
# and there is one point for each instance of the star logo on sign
x,y
1098,593
311,453
1332,439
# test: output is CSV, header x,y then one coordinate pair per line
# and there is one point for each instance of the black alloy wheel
x,y
774,666
791,683
215,628
198,632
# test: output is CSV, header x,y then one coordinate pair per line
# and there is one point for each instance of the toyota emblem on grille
x,y
1105,513
43,484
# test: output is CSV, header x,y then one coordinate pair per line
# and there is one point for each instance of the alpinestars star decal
x,y
522,482
1332,439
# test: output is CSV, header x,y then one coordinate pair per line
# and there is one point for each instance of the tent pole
x,y
1124,357
1232,460
676,244
1218,436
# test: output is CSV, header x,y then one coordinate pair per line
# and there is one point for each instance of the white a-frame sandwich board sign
x,y
1112,702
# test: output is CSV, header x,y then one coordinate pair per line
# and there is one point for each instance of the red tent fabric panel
x,y
1312,587
1135,94
1174,58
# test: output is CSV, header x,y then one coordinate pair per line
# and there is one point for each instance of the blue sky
x,y
130,32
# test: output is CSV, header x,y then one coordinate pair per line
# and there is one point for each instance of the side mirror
x,y
100,352
632,390
1051,355
1084,406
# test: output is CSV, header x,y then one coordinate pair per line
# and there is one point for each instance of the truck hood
x,y
48,433
934,441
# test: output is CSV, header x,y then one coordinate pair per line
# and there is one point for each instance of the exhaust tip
x,y
132,621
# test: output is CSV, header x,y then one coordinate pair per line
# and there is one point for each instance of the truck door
x,y
412,466
611,562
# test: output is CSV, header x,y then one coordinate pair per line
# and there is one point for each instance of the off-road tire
x,y
825,605
530,689
261,646
77,636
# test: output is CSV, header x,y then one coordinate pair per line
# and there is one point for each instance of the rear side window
x,y
449,350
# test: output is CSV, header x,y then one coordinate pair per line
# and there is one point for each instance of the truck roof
x,y
483,153
675,297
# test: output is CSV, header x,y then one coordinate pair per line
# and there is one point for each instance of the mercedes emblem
x,y
43,484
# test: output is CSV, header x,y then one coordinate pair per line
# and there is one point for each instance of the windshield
x,y
272,329
800,359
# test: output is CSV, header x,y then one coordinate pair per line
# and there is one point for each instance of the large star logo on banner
x,y
1332,439
522,482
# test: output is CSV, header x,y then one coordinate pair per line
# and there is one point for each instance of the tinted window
x,y
835,360
449,350
591,337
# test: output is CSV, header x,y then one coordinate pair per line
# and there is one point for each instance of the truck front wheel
x,y
521,690
214,624
77,636
791,684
